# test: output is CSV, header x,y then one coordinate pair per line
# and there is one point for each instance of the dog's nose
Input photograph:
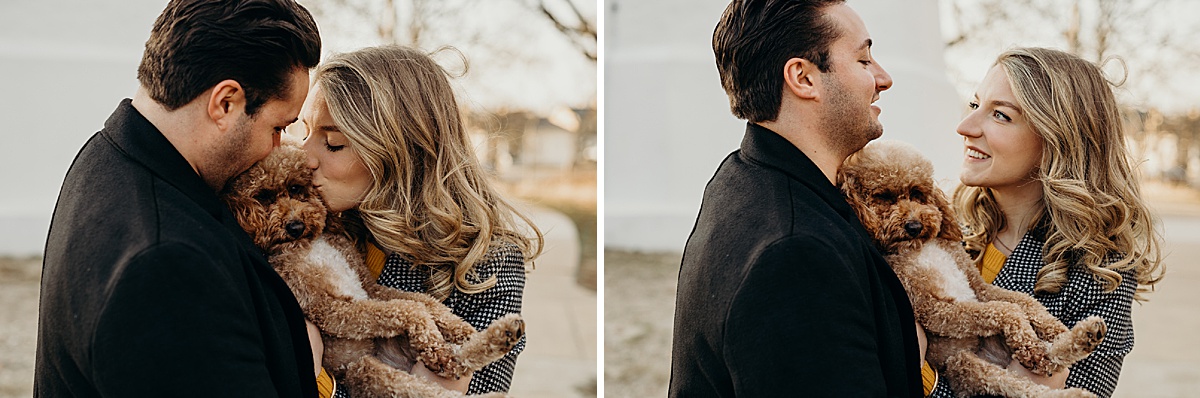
x,y
294,228
913,228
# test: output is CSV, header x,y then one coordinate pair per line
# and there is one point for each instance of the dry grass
x,y
572,193
639,312
19,279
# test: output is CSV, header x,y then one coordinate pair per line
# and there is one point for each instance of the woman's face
x,y
1000,148
338,173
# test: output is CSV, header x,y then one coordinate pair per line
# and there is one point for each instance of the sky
x,y
516,58
1163,76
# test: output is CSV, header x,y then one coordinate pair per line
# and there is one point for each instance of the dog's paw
x,y
1090,333
1069,393
1036,360
1079,342
438,359
507,331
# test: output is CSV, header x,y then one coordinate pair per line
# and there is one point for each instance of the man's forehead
x,y
852,31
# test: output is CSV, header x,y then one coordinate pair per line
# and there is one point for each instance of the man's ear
x,y
226,101
799,78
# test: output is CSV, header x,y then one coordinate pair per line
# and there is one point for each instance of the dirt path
x,y
639,310
19,279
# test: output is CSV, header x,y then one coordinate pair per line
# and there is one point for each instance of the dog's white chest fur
x,y
936,259
334,264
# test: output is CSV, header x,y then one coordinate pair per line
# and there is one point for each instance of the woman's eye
x,y
1001,116
265,196
973,105
333,148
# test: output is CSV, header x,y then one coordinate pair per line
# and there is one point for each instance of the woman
x,y
388,149
1050,205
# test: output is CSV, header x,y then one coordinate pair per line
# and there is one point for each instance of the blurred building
x,y
667,120
67,64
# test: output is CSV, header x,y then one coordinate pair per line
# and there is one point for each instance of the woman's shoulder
x,y
502,259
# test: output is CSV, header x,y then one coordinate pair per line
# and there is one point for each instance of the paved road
x,y
1165,362
560,356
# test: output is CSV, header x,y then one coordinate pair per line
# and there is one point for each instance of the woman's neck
x,y
1021,206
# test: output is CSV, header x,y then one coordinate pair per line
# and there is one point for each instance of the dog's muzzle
x,y
913,228
294,228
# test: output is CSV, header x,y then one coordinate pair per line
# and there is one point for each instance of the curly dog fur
x,y
372,334
891,188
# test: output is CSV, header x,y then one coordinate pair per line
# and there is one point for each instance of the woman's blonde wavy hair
x,y
1092,211
430,199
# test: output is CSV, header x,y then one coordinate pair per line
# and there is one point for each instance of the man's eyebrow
x,y
866,44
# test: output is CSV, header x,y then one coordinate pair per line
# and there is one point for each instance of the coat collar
x,y
135,137
767,147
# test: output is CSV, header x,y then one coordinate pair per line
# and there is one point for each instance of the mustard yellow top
x,y
993,261
325,385
375,260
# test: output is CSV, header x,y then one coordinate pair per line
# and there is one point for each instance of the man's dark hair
x,y
196,44
755,38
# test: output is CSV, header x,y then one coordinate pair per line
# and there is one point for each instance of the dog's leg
x,y
973,319
968,375
370,378
1078,343
453,328
487,346
365,319
1044,324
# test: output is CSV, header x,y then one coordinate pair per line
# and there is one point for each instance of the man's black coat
x,y
781,292
150,289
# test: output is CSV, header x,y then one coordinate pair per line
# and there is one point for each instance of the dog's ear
x,y
248,212
949,230
852,189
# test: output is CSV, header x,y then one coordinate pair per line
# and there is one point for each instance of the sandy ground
x,y
19,279
1165,363
639,309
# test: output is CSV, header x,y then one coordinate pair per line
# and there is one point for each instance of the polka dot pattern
x,y
508,265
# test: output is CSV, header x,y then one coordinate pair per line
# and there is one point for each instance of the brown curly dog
x,y
891,188
372,334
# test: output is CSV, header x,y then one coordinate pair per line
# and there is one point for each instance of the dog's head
x,y
891,188
274,200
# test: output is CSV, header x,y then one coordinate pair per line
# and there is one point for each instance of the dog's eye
x,y
916,195
296,189
885,197
265,196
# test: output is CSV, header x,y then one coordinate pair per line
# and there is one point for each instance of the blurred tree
x,y
578,29
1144,34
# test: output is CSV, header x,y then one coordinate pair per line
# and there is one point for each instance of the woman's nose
x,y
311,160
969,127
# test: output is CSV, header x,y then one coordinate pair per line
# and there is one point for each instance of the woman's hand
x,y
459,385
318,348
1056,381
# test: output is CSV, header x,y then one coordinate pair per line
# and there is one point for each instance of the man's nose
x,y
883,80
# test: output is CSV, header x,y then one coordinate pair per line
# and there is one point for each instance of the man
x,y
781,292
149,287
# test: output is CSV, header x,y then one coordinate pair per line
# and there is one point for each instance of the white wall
x,y
65,64
667,121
